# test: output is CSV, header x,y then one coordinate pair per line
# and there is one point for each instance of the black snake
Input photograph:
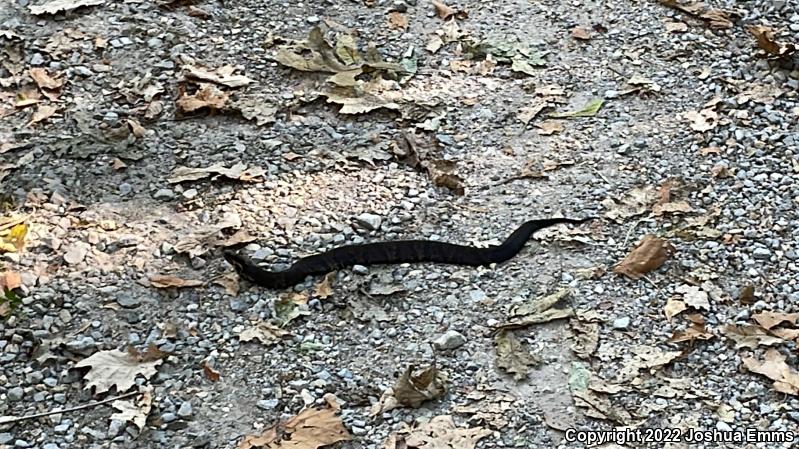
x,y
390,253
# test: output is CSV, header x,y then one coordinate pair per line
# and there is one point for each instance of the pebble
x,y
164,194
621,323
15,394
369,221
449,340
185,410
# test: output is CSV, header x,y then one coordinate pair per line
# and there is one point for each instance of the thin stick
x,y
14,419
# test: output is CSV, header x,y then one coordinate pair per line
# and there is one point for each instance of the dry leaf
x,y
43,80
550,127
9,280
229,281
412,389
443,11
56,6
434,45
581,33
694,296
238,172
43,112
766,41
648,255
266,333
324,288
13,239
169,281
117,164
439,433
5,309
694,332
223,75
646,358
676,27
673,308
786,379
208,96
749,336
541,310
312,428
512,356
115,368
773,319
136,128
635,202
212,374
600,407
586,336
397,21
135,409
704,120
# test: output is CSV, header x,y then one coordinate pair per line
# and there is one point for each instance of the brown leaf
x,y
773,319
117,164
439,433
43,80
581,33
749,336
550,127
43,112
513,357
786,379
694,296
136,128
648,255
9,280
397,21
324,288
208,96
223,75
676,27
694,332
766,41
169,281
230,282
266,333
212,374
673,307
443,11
312,428
115,368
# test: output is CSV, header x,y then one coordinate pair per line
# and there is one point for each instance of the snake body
x,y
400,251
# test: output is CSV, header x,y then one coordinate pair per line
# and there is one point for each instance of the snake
x,y
390,252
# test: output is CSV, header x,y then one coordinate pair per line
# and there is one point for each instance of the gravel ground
x,y
705,141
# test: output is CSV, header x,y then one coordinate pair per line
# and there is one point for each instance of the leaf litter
x,y
115,368
312,428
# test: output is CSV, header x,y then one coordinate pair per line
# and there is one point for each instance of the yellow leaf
x,y
15,239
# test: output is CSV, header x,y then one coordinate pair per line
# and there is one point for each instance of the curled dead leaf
x,y
650,254
773,366
169,281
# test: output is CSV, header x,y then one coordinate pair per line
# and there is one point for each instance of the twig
x,y
14,419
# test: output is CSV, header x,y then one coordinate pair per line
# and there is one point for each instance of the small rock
x,y
268,404
76,253
168,417
360,269
125,188
761,253
5,438
185,411
724,427
621,322
15,394
369,221
128,301
164,194
449,340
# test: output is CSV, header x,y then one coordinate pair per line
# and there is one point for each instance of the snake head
x,y
238,261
